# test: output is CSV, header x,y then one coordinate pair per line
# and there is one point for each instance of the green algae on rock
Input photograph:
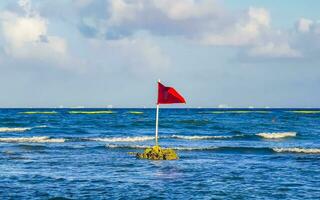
x,y
92,112
157,153
39,112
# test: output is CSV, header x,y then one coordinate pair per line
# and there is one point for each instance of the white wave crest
x,y
277,135
43,139
297,150
194,148
123,139
198,137
41,126
7,129
114,146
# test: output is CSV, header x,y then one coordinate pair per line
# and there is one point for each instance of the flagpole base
x,y
158,153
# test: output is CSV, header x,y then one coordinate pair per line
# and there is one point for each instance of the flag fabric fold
x,y
168,95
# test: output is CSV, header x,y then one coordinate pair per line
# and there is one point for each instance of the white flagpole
x,y
157,120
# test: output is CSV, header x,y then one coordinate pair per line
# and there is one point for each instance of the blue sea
x,y
224,154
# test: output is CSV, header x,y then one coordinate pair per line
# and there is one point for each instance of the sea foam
x,y
227,149
146,138
7,129
114,146
123,139
297,150
199,137
195,148
277,135
42,139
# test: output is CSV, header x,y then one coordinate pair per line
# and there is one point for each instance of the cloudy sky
x,y
95,53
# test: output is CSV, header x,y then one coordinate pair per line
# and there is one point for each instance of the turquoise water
x,y
224,154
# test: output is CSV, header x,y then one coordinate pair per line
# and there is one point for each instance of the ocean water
x,y
224,154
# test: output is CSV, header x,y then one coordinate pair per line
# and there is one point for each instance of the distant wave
x,y
42,139
19,129
39,112
277,135
297,150
195,148
182,148
114,146
92,112
227,149
146,138
123,139
41,126
199,137
7,129
306,111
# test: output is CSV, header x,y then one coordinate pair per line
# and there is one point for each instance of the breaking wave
x,y
42,139
263,150
19,129
277,135
147,138
297,150
199,137
7,129
210,148
123,139
114,146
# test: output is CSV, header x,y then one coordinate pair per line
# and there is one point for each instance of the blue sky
x,y
95,53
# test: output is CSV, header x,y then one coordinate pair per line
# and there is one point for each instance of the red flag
x,y
168,95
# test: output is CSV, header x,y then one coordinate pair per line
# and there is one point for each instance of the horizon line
x,y
247,108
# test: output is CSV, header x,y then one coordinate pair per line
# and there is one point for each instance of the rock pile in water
x,y
157,153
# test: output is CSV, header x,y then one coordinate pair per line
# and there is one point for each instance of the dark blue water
x,y
224,154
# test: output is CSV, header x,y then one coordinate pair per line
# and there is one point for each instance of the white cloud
x,y
26,6
304,25
82,3
124,11
137,55
121,11
203,22
259,16
27,36
186,9
246,31
19,30
312,27
123,18
273,50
